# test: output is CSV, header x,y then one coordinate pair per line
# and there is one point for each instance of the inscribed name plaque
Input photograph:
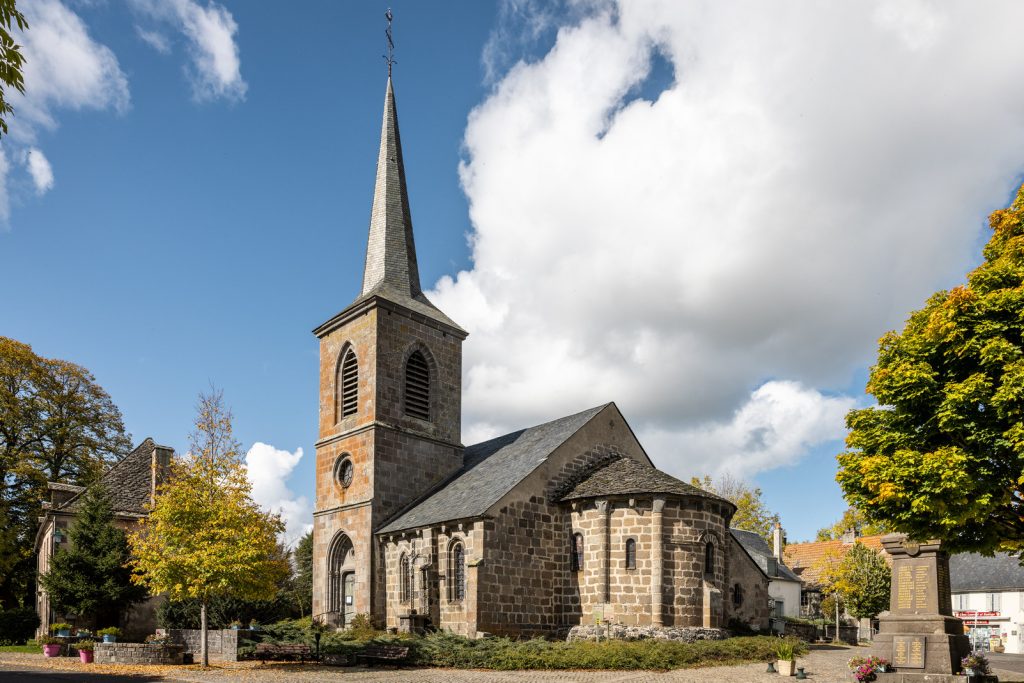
x,y
915,588
908,651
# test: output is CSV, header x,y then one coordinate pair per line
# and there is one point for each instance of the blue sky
x,y
706,215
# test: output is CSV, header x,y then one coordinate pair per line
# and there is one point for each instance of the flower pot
x,y
85,656
64,633
786,667
52,650
107,638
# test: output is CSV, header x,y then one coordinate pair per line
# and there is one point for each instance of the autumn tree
x,y
864,580
852,520
751,512
205,537
56,424
303,584
12,62
942,455
90,577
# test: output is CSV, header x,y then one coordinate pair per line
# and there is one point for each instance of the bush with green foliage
x,y
17,625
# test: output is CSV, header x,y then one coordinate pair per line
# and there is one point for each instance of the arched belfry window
x,y
457,572
576,559
709,558
348,383
417,386
630,553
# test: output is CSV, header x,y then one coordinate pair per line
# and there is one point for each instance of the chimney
x,y
777,538
160,467
849,536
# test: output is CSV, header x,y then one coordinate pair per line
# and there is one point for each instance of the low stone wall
x,y
620,632
805,632
221,645
139,653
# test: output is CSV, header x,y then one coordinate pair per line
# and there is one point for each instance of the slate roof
x,y
973,572
490,470
128,482
759,551
625,476
803,558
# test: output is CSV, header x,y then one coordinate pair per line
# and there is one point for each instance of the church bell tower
x,y
390,402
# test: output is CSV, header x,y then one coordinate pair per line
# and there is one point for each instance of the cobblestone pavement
x,y
824,664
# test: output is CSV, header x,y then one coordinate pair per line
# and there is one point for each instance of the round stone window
x,y
343,471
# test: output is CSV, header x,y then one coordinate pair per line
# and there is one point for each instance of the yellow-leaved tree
x,y
205,536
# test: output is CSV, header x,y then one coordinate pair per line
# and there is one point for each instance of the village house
x,y
530,533
808,562
784,587
988,594
130,485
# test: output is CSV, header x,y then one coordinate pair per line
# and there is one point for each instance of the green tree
x,y
303,584
56,424
864,580
205,536
751,512
852,519
90,577
942,455
11,60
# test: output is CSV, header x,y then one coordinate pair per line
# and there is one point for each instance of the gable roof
x,y
129,482
804,558
625,476
489,471
759,552
973,572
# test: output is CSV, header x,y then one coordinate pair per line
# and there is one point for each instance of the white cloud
x,y
154,39
215,68
268,471
64,68
808,177
40,170
5,202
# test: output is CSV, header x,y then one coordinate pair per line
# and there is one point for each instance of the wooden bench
x,y
383,653
265,651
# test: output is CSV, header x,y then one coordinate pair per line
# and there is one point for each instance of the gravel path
x,y
824,664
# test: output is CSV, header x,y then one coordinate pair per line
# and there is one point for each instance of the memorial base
x,y
944,644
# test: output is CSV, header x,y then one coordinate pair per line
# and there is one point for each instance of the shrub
x,y
17,625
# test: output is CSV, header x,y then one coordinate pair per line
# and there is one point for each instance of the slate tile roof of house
x,y
626,476
804,558
128,482
973,572
759,552
490,470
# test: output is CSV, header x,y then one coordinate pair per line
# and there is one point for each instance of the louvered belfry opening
x,y
417,387
348,381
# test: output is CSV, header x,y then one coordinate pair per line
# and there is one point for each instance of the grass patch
x,y
21,648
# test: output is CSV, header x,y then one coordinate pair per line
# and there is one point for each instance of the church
x,y
561,524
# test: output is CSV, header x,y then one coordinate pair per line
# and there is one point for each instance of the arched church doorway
x,y
342,581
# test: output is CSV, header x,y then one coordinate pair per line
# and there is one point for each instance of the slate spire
x,y
391,252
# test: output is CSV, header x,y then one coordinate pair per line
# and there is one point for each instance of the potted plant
x,y
785,654
975,666
110,634
236,624
51,645
61,629
85,650
254,625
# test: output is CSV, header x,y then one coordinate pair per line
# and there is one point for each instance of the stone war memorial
x,y
919,633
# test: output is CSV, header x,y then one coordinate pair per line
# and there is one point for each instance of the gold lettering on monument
x,y
899,652
908,651
921,587
916,653
904,587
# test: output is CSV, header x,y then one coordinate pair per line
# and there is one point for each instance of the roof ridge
x,y
598,409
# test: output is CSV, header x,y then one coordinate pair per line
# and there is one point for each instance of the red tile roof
x,y
805,558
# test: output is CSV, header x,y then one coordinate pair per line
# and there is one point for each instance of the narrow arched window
x,y
709,558
348,383
457,573
576,552
405,579
417,386
630,553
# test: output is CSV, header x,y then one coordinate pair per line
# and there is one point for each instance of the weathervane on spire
x,y
390,56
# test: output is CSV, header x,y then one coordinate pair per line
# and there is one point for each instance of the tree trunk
x,y
204,651
836,638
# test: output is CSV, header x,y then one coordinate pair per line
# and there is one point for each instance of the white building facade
x,y
988,595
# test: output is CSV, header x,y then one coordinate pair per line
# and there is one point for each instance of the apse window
x,y
630,553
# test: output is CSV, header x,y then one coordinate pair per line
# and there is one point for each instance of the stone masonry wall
x,y
221,644
752,607
139,653
688,524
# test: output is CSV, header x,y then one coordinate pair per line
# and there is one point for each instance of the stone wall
x,y
621,632
221,644
690,523
748,582
139,653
